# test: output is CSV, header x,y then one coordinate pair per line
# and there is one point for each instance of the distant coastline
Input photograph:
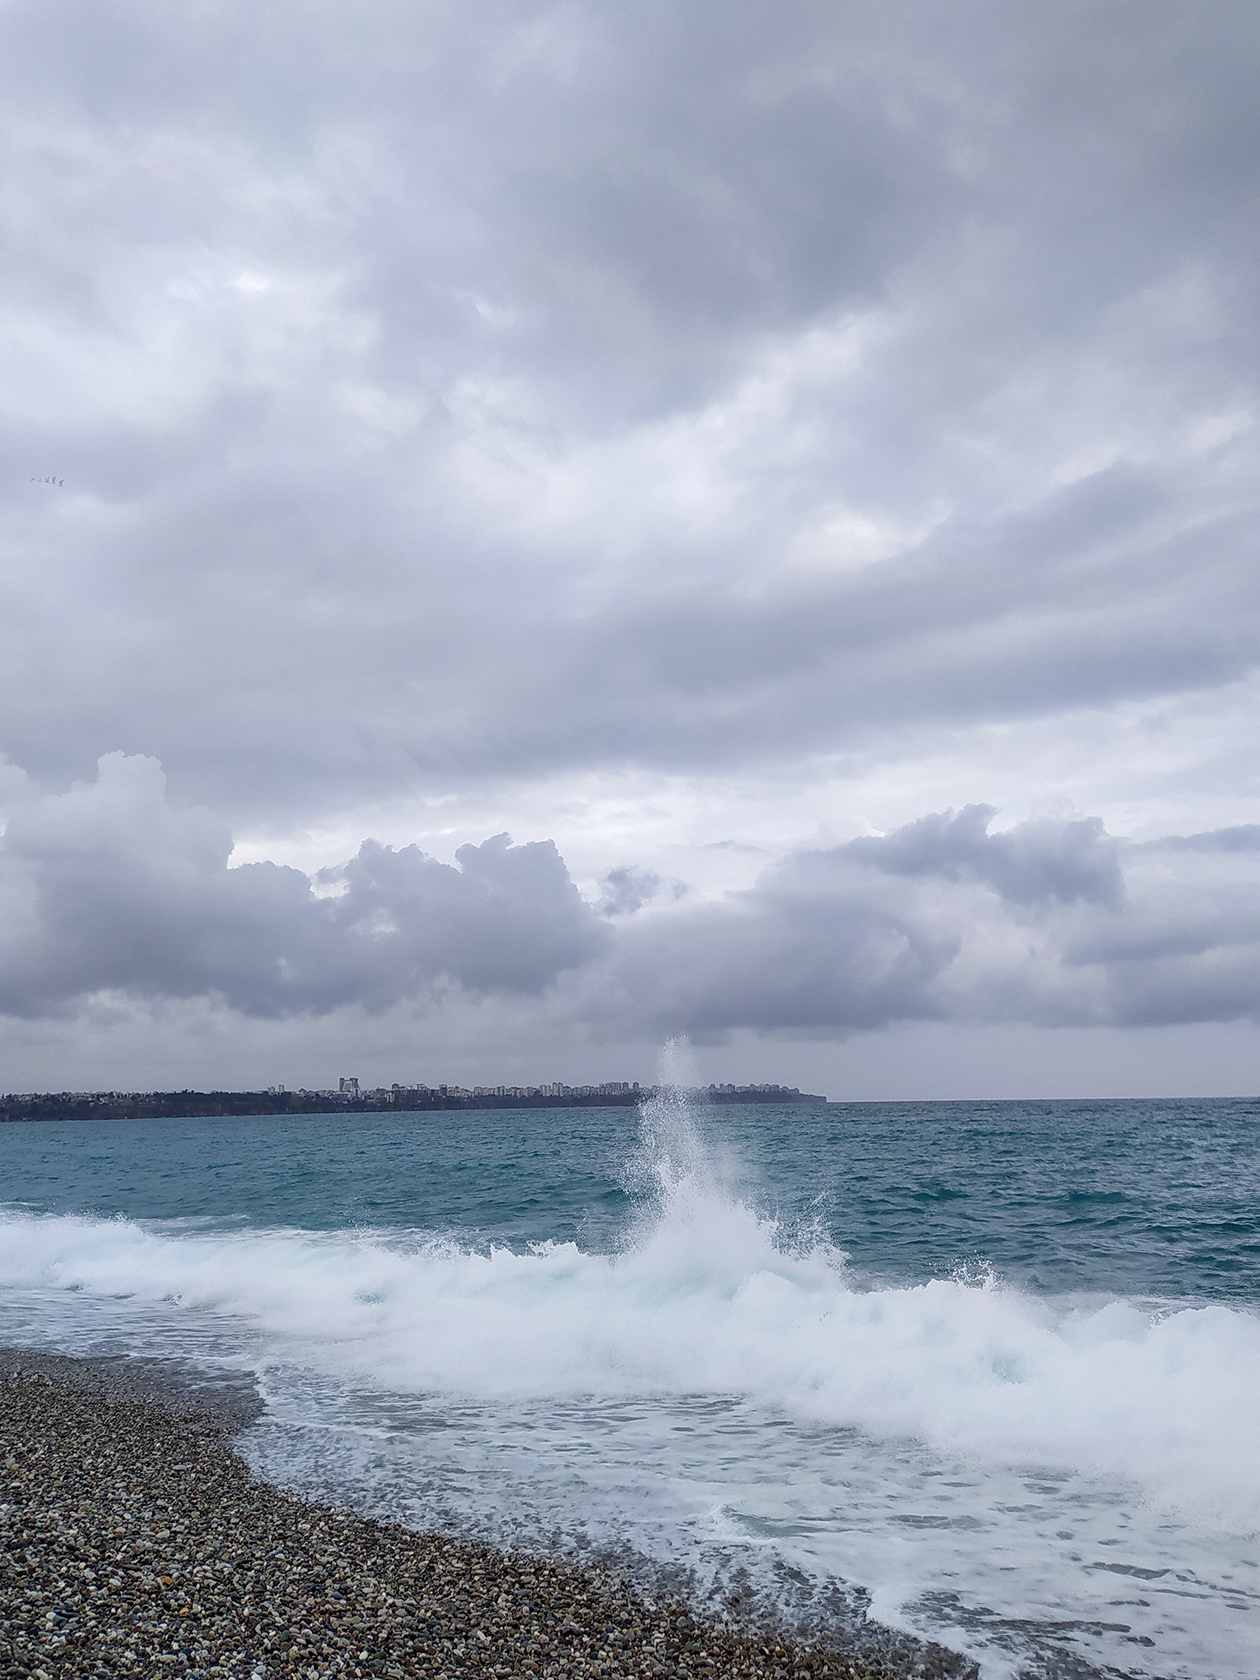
x,y
395,1099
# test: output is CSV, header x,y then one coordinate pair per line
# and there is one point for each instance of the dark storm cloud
x,y
110,889
447,393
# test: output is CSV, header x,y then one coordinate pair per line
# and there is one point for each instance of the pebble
x,y
134,1541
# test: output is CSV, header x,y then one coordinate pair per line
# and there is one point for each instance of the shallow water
x,y
991,1367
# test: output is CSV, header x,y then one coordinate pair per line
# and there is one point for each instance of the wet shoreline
x,y
136,1541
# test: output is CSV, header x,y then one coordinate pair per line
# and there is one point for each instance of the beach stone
x,y
134,1541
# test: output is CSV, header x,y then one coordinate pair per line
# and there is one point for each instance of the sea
x,y
986,1373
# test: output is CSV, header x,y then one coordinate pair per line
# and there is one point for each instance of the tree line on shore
x,y
161,1105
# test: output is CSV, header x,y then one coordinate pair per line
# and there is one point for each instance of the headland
x,y
349,1099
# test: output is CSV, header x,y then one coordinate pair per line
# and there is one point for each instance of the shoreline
x,y
136,1541
306,1105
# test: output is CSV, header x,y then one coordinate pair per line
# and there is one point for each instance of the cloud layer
x,y
711,437
446,397
108,889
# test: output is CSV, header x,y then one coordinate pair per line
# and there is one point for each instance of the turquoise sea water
x,y
991,1371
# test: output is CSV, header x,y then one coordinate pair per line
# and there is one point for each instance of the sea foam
x,y
716,1383
706,1297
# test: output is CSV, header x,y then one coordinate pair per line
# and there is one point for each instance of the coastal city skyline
x,y
350,1097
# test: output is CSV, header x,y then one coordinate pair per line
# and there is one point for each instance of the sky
x,y
529,530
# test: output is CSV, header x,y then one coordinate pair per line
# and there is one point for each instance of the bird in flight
x,y
57,481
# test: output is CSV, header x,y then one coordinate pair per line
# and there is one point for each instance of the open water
x,y
989,1372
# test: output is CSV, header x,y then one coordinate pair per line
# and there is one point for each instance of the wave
x,y
707,1296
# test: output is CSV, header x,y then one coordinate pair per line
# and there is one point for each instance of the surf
x,y
725,1389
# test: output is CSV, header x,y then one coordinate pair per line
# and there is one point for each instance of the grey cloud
x,y
776,961
1244,837
628,889
370,347
508,919
1037,614
1035,863
941,920
1218,985
110,889
971,627
489,402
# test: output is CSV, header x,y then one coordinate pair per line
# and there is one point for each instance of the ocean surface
x,y
986,1372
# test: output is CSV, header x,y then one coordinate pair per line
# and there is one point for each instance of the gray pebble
x,y
134,1541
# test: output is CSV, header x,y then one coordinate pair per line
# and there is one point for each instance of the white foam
x,y
705,1302
607,1358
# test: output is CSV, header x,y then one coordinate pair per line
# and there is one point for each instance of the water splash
x,y
716,1393
672,1165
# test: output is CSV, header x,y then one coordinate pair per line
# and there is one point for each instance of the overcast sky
x,y
576,523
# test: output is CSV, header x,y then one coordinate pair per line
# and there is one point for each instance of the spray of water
x,y
712,1388
672,1164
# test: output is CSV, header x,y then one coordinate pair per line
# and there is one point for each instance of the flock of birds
x,y
57,481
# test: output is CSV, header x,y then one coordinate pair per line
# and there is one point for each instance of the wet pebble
x,y
134,1541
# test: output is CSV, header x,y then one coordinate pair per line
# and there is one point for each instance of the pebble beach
x,y
135,1541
